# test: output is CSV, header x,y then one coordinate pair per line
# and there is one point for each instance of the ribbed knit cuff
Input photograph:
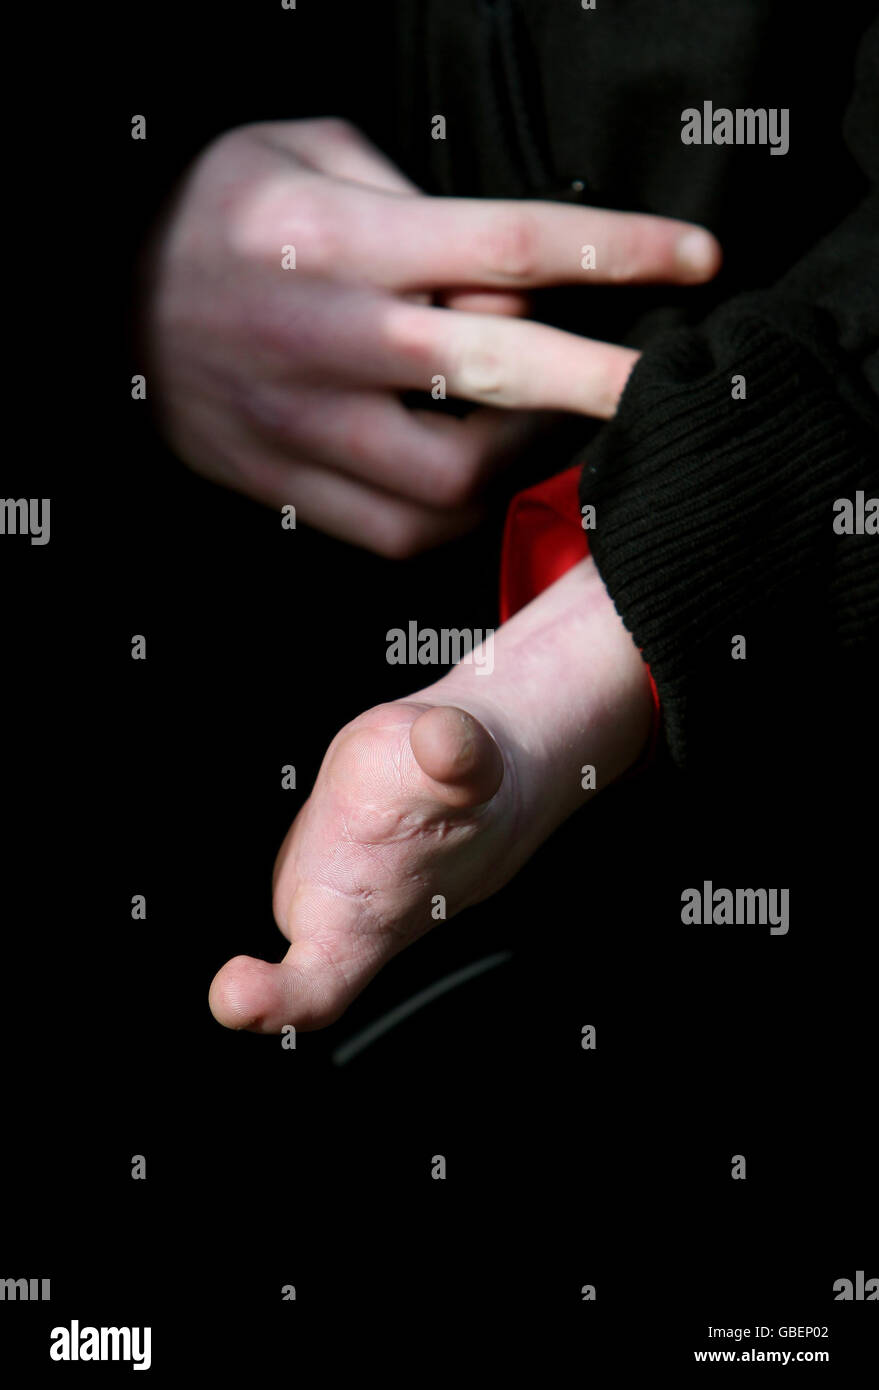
x,y
714,515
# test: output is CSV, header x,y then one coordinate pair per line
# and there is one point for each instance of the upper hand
x,y
283,382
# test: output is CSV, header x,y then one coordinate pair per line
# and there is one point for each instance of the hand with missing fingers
x,y
447,792
300,283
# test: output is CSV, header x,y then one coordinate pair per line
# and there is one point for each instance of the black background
x,y
268,1167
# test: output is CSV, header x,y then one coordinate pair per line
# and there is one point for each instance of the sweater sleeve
x,y
714,485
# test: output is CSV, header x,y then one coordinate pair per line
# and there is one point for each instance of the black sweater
x,y
715,515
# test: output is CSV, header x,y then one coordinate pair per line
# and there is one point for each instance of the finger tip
x,y
698,255
240,992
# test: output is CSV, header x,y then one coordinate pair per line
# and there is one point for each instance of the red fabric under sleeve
x,y
543,538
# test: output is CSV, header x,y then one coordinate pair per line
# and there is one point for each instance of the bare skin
x,y
284,382
448,792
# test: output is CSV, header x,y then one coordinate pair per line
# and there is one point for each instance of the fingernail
x,y
697,253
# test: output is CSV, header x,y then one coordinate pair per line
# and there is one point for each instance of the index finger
x,y
494,244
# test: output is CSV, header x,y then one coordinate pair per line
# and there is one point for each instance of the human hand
x,y
283,383
448,792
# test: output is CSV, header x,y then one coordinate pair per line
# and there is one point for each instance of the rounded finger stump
x,y
302,989
458,753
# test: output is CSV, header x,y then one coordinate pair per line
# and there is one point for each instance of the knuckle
x,y
336,128
307,223
482,374
509,246
274,214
